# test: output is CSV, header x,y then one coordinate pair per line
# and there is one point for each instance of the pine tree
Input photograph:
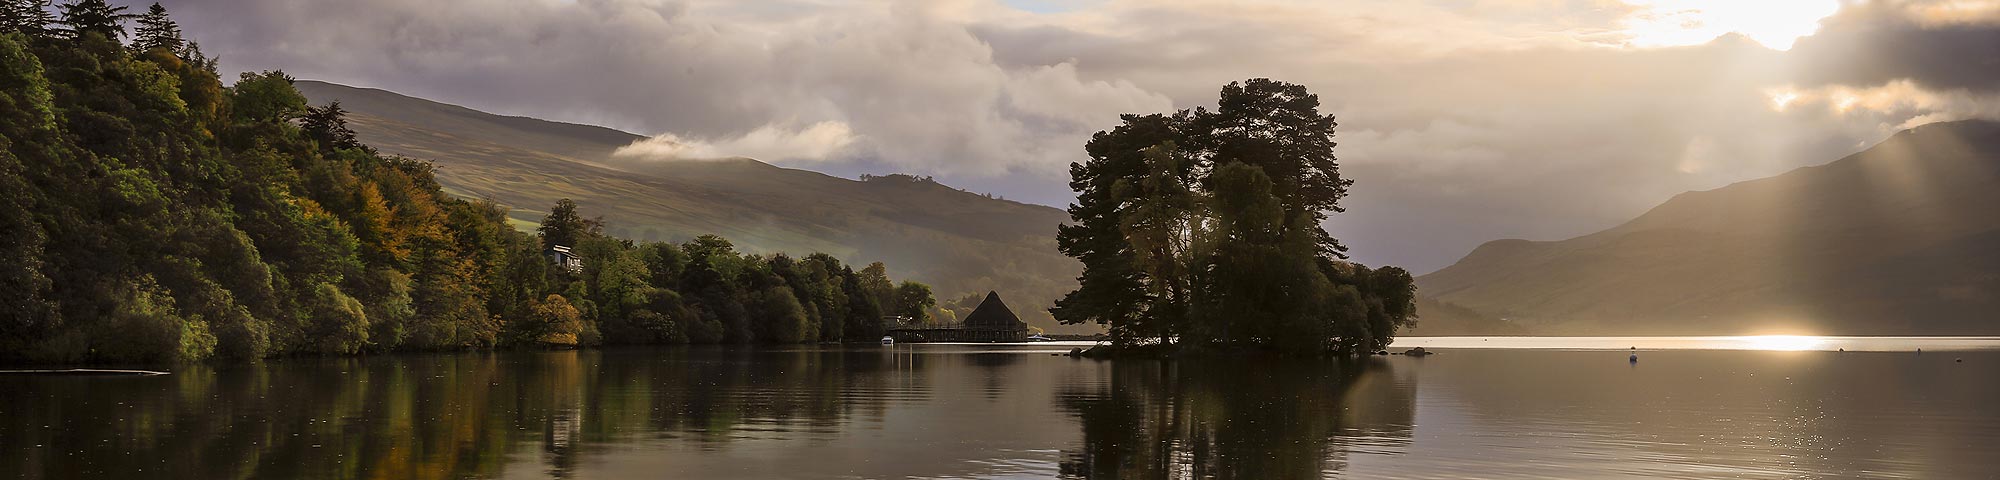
x,y
191,52
564,227
29,17
328,126
87,16
156,31
12,13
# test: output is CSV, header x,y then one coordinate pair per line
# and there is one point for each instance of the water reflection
x,y
1253,420
436,416
957,411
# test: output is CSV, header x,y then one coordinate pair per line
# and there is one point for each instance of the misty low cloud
x,y
816,142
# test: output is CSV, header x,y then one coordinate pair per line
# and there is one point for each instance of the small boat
x,y
1039,338
888,340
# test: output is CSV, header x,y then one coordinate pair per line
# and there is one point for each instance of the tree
x,y
338,323
328,126
779,317
1161,226
30,17
157,31
1277,126
553,321
564,227
863,318
914,300
265,98
84,17
151,214
875,283
1112,289
1205,226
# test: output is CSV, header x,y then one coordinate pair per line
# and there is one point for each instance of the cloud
x,y
1462,120
816,142
1950,44
1897,105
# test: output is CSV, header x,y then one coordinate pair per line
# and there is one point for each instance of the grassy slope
x,y
959,242
1899,239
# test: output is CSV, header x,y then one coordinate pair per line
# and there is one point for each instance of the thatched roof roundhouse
x,y
992,321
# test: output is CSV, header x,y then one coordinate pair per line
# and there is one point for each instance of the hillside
x,y
1903,238
959,242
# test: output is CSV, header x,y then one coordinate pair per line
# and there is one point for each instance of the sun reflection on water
x,y
1791,343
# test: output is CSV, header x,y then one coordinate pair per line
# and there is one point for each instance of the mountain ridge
x,y
1809,249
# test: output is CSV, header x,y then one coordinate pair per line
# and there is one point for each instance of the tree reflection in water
x,y
1250,419
411,416
803,412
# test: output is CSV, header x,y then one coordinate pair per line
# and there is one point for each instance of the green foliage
x,y
779,317
337,322
149,328
150,214
265,98
1204,227
914,300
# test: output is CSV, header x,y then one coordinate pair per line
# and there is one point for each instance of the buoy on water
x,y
1633,359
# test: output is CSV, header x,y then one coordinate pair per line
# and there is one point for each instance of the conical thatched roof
x,y
993,314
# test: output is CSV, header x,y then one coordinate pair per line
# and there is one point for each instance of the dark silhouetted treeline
x,y
150,213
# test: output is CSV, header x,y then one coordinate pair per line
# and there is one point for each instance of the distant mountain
x,y
963,244
1903,238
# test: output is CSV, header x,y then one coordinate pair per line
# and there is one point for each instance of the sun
x,y
1773,23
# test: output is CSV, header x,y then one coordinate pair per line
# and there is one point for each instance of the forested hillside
x,y
148,212
963,243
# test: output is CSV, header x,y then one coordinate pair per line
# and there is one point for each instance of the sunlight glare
x,y
1773,23
1782,98
1783,342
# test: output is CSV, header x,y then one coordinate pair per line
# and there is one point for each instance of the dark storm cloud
x,y
1879,42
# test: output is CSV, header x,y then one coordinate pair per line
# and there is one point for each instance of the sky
x,y
1461,121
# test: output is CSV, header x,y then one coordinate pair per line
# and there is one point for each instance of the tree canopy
x,y
151,213
1205,227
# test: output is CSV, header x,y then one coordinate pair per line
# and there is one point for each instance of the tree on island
x,y
1204,228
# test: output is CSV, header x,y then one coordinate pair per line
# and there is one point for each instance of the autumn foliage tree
x,y
149,212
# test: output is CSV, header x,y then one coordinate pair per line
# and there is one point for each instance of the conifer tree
x,y
12,13
87,16
328,126
565,227
156,30
31,17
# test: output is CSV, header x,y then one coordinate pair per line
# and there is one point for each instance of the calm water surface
x,y
1691,407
